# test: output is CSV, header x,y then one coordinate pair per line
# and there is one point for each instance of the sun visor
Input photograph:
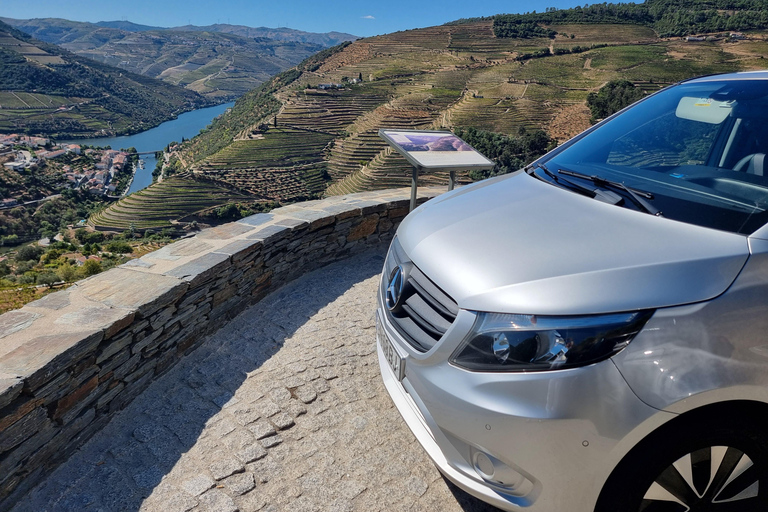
x,y
704,110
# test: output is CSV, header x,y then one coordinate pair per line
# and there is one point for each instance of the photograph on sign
x,y
435,149
429,141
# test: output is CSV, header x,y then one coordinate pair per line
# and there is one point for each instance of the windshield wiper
x,y
635,195
605,196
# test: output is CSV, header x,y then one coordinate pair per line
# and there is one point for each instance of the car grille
x,y
427,311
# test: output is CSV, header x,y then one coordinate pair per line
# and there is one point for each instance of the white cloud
x,y
369,17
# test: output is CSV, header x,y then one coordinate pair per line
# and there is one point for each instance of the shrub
x,y
119,247
612,97
47,278
90,268
29,253
67,273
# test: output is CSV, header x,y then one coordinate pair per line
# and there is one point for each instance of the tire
x,y
719,466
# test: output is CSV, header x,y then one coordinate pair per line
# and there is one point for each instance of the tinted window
x,y
701,149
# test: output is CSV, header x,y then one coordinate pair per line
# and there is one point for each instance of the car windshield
x,y
698,148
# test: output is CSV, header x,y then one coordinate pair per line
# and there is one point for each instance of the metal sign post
x,y
433,151
414,186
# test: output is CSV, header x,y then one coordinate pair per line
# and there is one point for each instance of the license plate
x,y
396,362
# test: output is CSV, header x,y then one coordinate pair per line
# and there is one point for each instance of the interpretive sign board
x,y
431,150
435,150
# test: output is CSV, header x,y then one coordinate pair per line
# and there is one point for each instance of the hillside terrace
x,y
194,398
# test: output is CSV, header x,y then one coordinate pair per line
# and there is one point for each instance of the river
x,y
187,125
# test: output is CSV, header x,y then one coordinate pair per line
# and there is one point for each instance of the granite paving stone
x,y
306,394
251,453
204,436
282,421
269,442
241,483
217,500
198,484
261,429
296,408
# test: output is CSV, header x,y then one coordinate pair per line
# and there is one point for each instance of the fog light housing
x,y
495,472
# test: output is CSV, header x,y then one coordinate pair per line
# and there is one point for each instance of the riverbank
x,y
185,126
130,182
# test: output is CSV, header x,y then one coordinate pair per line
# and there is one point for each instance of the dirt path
x,y
21,100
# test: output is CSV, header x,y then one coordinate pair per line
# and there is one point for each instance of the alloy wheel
x,y
711,479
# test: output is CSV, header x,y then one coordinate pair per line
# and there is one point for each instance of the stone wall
x,y
70,361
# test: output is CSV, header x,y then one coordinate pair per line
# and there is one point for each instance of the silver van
x,y
591,332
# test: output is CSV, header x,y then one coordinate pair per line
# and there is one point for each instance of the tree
x,y
27,278
52,255
29,253
510,153
11,239
612,97
47,278
67,273
119,247
90,268
80,234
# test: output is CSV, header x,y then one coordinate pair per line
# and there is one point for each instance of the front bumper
x,y
539,441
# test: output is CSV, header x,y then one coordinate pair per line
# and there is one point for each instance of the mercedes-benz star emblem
x,y
395,288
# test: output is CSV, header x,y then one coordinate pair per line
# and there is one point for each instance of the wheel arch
x,y
736,413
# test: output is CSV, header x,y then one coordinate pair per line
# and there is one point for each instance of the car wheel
x,y
703,468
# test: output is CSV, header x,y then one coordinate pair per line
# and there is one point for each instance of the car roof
x,y
741,75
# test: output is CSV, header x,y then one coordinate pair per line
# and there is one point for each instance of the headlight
x,y
501,342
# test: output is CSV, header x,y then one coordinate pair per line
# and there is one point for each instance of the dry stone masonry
x,y
70,361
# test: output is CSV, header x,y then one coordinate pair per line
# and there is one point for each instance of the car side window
x,y
750,138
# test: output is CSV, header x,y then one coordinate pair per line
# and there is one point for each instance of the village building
x,y
15,166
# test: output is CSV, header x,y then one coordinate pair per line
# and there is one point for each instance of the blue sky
x,y
362,18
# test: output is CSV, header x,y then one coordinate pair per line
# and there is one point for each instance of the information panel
x,y
435,150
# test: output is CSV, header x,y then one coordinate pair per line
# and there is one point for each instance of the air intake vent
x,y
424,311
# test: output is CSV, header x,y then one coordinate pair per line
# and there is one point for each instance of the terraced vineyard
x,y
309,140
161,205
282,147
284,185
451,76
349,154
327,111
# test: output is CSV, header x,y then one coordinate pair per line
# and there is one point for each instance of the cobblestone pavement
x,y
282,409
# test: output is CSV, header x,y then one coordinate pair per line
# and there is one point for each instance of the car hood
x,y
516,244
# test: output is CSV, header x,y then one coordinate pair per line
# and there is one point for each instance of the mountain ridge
x,y
66,95
219,61
278,33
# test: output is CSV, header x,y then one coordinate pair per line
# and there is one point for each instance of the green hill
x,y
669,18
47,90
